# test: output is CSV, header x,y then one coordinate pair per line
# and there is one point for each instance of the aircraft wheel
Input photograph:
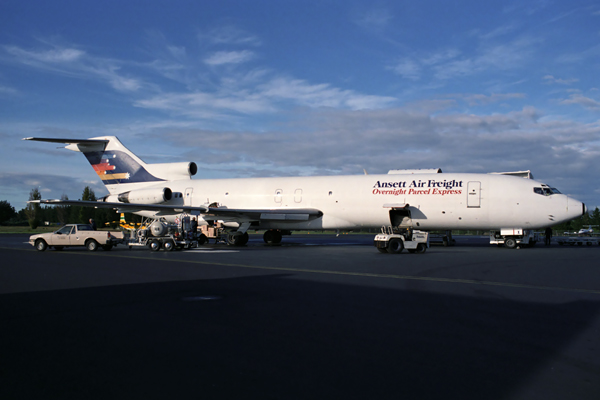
x,y
40,245
154,245
91,245
395,246
510,243
169,245
272,237
238,240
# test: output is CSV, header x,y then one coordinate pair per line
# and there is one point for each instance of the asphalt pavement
x,y
318,317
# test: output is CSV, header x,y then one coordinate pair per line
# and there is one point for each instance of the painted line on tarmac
x,y
342,273
210,251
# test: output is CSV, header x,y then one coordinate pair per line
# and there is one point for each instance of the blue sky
x,y
270,88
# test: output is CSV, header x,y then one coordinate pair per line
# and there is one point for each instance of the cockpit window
x,y
545,190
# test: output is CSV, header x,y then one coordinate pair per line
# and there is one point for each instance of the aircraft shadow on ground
x,y
275,337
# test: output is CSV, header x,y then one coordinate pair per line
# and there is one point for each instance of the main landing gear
x,y
272,236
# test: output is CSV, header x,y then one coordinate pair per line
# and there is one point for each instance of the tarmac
x,y
318,317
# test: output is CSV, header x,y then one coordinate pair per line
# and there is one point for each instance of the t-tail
x,y
120,170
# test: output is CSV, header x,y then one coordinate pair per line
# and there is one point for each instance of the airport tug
x,y
393,240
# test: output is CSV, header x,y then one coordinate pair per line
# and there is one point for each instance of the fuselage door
x,y
401,218
187,197
278,196
474,194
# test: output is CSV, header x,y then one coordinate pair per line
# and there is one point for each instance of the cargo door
x,y
401,218
474,194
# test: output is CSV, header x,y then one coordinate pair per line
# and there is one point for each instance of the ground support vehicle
x,y
157,233
215,231
76,235
578,240
393,240
514,238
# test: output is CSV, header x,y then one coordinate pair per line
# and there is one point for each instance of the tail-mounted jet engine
x,y
143,196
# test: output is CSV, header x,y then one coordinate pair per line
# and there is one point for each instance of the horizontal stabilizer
x,y
69,141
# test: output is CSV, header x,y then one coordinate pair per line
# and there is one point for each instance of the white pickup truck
x,y
76,235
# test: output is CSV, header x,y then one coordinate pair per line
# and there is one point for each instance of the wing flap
x,y
278,214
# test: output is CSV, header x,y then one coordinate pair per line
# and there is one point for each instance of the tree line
x,y
35,215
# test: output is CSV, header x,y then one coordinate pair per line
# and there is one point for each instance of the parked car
x,y
76,235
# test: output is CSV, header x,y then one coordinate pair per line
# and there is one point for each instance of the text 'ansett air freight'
x,y
416,187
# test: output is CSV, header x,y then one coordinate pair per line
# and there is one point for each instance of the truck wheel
x,y
169,245
40,245
154,245
421,248
395,246
91,245
510,243
202,239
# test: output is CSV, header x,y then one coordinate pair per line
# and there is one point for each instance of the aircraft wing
x,y
219,213
125,207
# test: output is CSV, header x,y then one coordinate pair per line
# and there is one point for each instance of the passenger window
x,y
64,230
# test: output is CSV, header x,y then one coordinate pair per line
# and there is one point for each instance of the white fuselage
x,y
443,201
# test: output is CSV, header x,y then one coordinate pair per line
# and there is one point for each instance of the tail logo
x,y
105,169
115,167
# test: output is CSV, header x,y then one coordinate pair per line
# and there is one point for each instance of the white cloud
x,y
257,98
408,69
549,79
230,35
583,101
229,57
57,55
375,19
73,63
4,90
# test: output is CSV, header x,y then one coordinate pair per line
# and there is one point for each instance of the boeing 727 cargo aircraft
x,y
424,200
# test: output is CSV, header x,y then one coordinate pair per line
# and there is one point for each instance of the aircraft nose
x,y
575,208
